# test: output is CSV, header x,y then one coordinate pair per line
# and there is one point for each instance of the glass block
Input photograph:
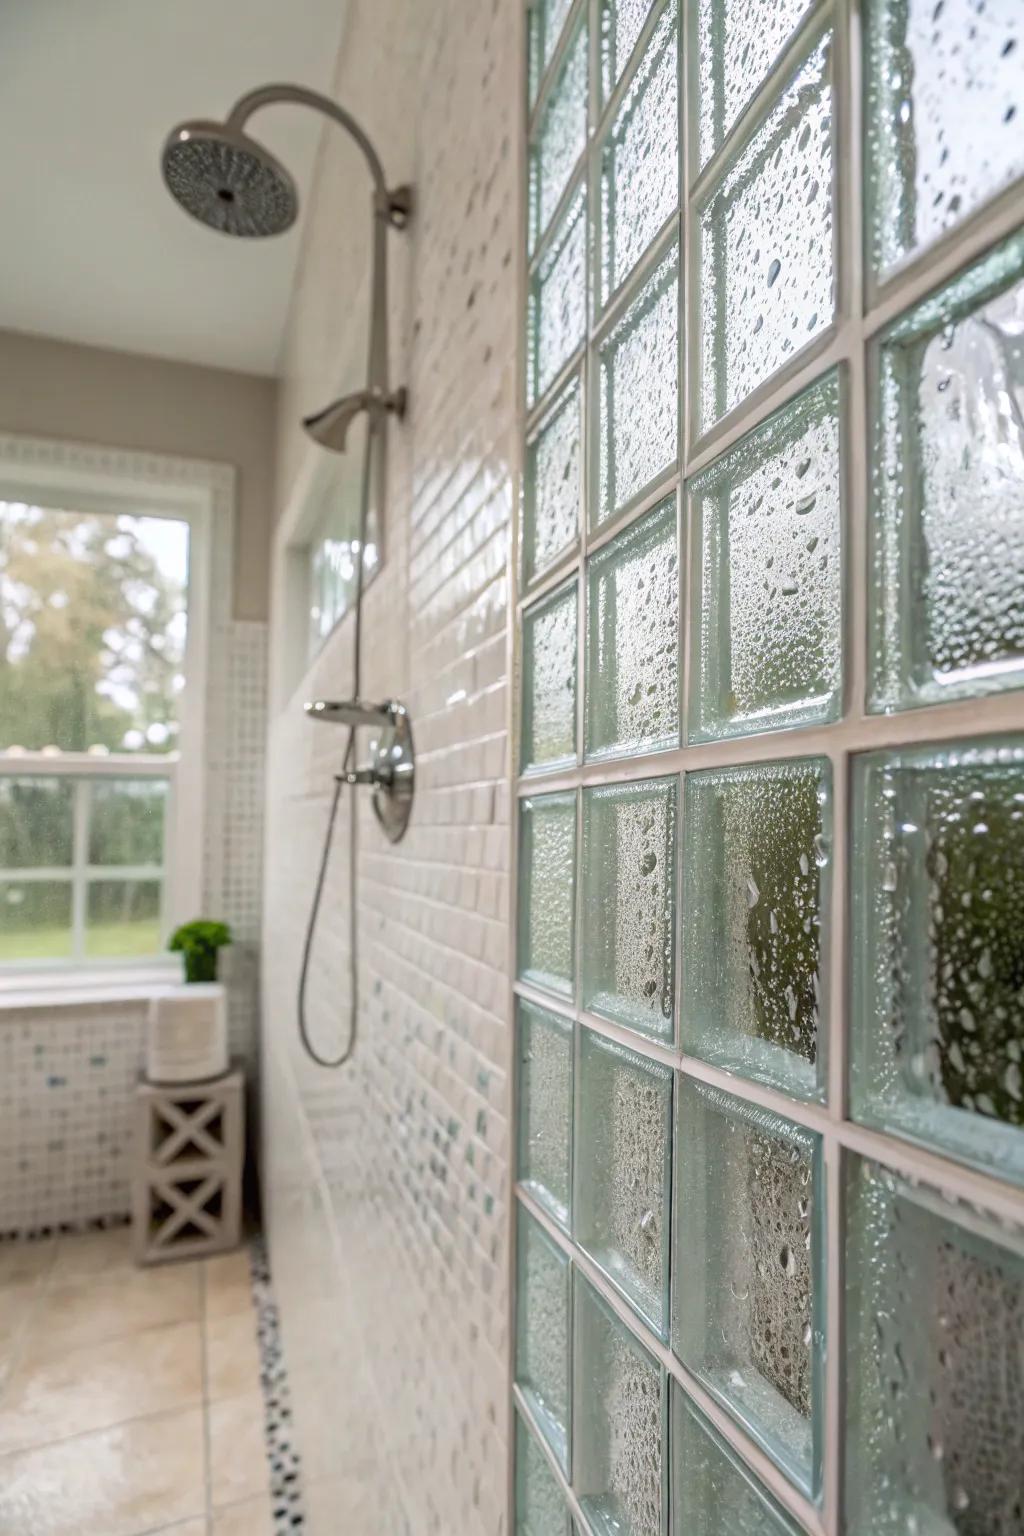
x,y
748,1292
561,137
935,1363
545,1107
948,493
623,1169
545,21
542,1331
619,1423
549,680
126,821
945,103
640,159
755,921
557,306
547,891
622,21
713,1492
737,44
632,700
122,918
628,906
540,1506
765,260
552,484
639,392
937,1048
35,920
766,624
35,823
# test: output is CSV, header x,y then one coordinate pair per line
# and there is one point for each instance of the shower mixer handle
x,y
391,773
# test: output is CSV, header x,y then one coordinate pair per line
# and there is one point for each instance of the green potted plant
x,y
199,942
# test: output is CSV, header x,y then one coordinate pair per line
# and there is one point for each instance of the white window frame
x,y
72,477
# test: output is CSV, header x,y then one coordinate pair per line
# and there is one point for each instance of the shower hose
x,y
339,783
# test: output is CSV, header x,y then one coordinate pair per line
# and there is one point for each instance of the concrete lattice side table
x,y
187,1185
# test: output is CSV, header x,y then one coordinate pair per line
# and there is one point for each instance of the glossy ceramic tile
x,y
135,1478
232,1356
95,1386
238,1454
254,1517
94,1307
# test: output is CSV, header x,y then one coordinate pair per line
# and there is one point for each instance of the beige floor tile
x,y
18,1303
99,1385
118,1482
93,1253
92,1308
20,1262
228,1284
232,1355
238,1456
252,1518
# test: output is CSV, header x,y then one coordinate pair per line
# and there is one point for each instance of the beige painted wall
x,y
51,388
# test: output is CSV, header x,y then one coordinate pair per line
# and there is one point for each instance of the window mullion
x,y
79,866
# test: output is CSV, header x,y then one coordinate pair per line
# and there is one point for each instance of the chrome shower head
x,y
228,181
329,427
352,712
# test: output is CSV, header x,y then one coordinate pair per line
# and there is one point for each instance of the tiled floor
x,y
130,1400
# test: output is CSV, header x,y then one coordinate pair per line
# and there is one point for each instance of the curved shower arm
x,y
300,95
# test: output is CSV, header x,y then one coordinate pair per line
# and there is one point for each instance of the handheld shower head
x,y
228,181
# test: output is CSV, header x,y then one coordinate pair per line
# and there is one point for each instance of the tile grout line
x,y
205,1368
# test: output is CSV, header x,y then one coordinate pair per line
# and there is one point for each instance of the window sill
x,y
81,989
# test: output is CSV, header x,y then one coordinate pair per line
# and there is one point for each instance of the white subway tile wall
x,y
386,1183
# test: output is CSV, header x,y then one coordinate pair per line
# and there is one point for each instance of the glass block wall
x,y
769,587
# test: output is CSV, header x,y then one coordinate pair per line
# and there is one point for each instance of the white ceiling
x,y
92,248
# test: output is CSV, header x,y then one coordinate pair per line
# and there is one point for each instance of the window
x,y
768,1110
101,675
332,515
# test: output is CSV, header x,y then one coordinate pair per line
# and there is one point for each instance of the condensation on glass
x,y
756,903
948,492
790,511
766,628
549,680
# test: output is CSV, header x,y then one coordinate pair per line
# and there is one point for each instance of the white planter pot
x,y
187,1037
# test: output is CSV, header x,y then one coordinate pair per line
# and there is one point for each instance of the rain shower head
x,y
228,181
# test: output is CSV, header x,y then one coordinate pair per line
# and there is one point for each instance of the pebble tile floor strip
x,y
138,1402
